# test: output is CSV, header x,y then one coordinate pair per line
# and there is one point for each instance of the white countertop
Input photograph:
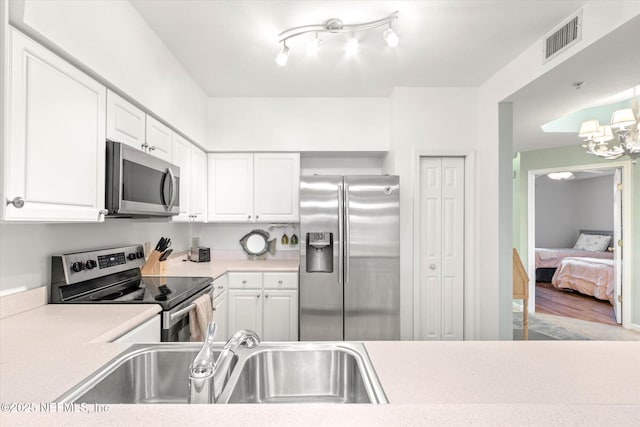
x,y
47,350
216,268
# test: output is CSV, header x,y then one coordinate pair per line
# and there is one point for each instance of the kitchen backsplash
x,y
26,249
224,239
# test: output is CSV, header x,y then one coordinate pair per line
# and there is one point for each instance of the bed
x,y
548,260
589,276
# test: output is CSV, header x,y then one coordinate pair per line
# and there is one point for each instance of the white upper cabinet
x,y
253,187
125,122
54,155
230,187
159,139
193,180
182,159
198,203
276,178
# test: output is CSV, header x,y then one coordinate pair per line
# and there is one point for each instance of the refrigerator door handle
x,y
340,234
347,242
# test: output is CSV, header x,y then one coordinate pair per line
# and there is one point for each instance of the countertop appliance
x,y
139,184
349,258
200,254
112,276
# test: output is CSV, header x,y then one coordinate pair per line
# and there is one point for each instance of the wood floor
x,y
573,304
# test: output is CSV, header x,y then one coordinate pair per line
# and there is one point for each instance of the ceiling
x,y
608,67
229,47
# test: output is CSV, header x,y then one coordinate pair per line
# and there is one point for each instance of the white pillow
x,y
592,242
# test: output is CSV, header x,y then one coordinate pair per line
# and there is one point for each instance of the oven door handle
x,y
183,311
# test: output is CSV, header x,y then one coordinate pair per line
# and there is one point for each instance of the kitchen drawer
x,y
281,280
245,280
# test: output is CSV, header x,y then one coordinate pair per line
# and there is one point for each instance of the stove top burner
x,y
166,291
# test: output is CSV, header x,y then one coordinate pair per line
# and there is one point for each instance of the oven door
x,y
175,322
140,184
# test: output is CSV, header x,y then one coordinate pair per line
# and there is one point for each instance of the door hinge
x,y
619,298
620,242
619,187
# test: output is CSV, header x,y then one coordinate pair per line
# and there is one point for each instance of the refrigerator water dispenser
x,y
319,252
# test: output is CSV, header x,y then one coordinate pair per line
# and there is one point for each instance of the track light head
x,y
391,37
314,46
283,56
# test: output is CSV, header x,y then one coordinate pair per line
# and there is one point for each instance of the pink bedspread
x,y
589,276
550,258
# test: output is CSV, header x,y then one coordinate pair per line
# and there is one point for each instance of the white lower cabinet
x,y
149,331
271,313
220,308
245,310
280,315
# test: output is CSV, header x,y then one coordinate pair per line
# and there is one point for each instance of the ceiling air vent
x,y
563,36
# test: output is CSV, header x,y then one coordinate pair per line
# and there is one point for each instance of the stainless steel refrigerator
x,y
349,258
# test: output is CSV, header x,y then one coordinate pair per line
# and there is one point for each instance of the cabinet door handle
x,y
17,202
280,282
257,216
258,295
144,146
220,287
153,147
248,216
266,296
244,282
214,309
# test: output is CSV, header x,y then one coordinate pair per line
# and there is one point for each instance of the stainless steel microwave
x,y
139,184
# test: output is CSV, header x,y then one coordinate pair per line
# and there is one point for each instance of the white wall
x,y
423,119
495,162
565,207
341,165
298,124
26,249
112,40
226,238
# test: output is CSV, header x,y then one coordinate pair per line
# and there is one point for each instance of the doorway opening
x,y
576,229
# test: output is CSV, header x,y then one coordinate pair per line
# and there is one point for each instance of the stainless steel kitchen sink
x,y
144,373
296,372
321,372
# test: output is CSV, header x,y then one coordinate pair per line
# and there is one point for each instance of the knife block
x,y
153,266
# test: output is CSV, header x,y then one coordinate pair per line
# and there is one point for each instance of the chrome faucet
x,y
206,377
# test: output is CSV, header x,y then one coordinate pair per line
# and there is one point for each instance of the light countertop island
x,y
47,350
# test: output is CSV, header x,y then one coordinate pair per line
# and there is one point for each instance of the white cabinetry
x,y
159,139
198,186
253,187
220,307
125,122
230,187
54,154
276,178
265,303
149,331
193,178
182,159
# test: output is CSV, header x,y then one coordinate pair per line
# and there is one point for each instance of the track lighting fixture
x,y
336,26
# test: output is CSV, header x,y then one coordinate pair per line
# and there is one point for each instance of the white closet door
x,y
430,248
439,305
452,248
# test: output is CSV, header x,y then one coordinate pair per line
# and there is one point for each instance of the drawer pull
x,y
280,282
244,282
220,287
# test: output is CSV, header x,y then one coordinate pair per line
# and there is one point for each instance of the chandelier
x,y
623,128
335,26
